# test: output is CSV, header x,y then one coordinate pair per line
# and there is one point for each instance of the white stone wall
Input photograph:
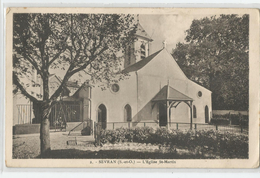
x,y
138,91
163,70
115,102
200,102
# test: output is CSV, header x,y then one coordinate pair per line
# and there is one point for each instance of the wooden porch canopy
x,y
172,98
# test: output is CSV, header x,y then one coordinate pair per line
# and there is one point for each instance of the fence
x,y
25,113
60,112
63,113
180,126
223,112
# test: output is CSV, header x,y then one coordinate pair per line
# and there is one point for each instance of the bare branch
x,y
33,62
80,68
65,79
101,51
55,57
21,88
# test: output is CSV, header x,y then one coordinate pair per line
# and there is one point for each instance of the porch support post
x,y
191,115
167,110
81,110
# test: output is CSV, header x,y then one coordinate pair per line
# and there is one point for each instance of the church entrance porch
x,y
166,99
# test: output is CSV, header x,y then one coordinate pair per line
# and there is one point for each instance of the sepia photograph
x,y
121,88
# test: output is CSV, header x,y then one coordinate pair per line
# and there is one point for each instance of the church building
x,y
156,93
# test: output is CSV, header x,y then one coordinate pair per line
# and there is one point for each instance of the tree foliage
x,y
85,44
70,42
215,54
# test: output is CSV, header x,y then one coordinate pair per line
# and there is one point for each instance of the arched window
x,y
128,113
102,116
143,55
206,114
194,112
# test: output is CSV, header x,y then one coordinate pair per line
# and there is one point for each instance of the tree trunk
x,y
45,136
42,110
37,113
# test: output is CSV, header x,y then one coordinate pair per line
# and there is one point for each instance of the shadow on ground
x,y
114,154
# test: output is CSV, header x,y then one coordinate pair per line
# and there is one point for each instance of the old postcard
x,y
132,87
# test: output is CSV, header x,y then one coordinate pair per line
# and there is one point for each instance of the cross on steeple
x,y
164,44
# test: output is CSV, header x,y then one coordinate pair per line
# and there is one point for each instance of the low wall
x,y
26,129
223,112
35,128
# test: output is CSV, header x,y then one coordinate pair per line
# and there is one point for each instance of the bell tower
x,y
139,50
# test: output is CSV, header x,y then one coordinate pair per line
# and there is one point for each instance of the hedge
x,y
226,119
227,144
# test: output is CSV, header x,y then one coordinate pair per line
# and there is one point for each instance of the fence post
x,y
30,114
144,124
18,114
195,126
177,126
216,127
113,125
128,125
99,126
95,132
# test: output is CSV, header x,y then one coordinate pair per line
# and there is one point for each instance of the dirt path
x,y
28,146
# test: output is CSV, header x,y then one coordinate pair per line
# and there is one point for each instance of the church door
x,y
206,114
128,113
162,115
102,116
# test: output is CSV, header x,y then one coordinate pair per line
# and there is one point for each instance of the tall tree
x,y
70,42
215,55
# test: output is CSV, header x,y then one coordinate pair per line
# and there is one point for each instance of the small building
x,y
23,107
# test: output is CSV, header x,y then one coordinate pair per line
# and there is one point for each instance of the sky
x,y
170,28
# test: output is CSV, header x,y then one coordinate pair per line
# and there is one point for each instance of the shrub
x,y
227,145
160,136
218,120
142,135
234,119
244,120
86,131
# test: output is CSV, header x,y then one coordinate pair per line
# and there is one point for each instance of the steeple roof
x,y
140,64
140,32
167,93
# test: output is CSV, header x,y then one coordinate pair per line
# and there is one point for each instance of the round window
x,y
115,87
199,94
